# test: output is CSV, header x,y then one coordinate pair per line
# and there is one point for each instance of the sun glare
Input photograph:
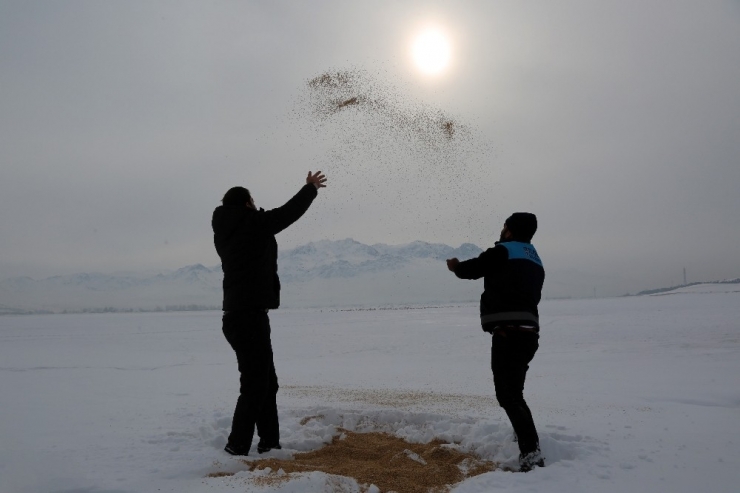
x,y
431,51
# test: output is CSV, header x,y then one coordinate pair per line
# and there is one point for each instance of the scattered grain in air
x,y
384,146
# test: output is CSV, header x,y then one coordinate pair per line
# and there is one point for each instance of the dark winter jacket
x,y
513,277
245,241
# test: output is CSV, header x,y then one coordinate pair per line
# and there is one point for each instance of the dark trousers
x,y
511,352
248,332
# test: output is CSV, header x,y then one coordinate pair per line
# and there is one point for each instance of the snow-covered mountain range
x,y
324,273
348,258
344,273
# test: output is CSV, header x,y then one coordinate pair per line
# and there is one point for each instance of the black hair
x,y
237,196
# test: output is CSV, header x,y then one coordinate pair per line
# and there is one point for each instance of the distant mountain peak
x,y
350,258
194,268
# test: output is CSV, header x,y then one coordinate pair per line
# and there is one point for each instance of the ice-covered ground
x,y
629,394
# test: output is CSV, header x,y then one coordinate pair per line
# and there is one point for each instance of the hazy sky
x,y
617,122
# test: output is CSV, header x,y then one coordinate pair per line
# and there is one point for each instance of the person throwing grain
x,y
513,276
245,240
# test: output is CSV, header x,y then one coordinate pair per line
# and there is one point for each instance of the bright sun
x,y
431,51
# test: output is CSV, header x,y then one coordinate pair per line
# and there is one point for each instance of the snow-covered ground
x,y
629,394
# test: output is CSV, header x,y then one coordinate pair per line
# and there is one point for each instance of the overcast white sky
x,y
616,122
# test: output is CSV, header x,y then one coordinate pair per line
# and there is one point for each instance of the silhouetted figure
x,y
245,240
513,277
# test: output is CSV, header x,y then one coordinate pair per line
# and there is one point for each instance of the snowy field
x,y
629,395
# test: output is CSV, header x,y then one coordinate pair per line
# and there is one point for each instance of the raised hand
x,y
452,263
317,179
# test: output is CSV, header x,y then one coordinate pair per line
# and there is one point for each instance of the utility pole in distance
x,y
684,276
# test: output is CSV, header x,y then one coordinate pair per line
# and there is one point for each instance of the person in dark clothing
x,y
513,276
245,240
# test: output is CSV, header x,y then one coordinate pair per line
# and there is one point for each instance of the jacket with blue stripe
x,y
512,275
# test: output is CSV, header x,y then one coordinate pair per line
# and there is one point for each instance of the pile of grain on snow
x,y
389,462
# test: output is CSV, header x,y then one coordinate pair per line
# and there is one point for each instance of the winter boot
x,y
262,448
530,461
236,449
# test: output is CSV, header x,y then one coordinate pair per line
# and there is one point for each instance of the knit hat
x,y
522,225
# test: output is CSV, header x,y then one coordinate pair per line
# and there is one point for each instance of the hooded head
x,y
522,226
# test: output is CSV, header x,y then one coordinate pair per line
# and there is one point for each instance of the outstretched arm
x,y
469,269
278,219
475,268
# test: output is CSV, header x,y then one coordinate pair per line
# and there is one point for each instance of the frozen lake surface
x,y
629,394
